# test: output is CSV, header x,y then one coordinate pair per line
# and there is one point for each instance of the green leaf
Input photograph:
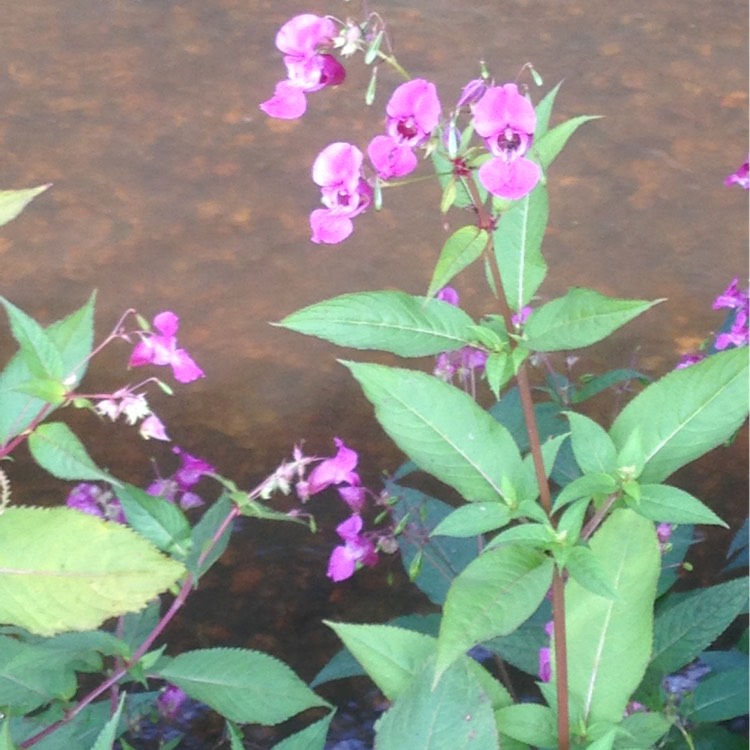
x,y
492,596
719,697
544,112
665,504
12,202
389,320
686,413
203,535
588,486
580,318
57,450
525,479
38,351
456,714
592,386
77,572
583,567
441,429
309,738
50,391
683,630
6,743
108,734
546,148
156,519
242,685
529,722
592,446
609,641
460,250
391,656
518,247
472,520
644,729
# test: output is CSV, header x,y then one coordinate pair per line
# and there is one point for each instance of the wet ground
x,y
173,191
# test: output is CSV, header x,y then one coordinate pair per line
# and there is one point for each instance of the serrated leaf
x,y
12,202
441,429
683,630
77,572
243,685
644,729
155,519
456,714
203,537
665,504
518,247
580,318
583,567
588,486
544,111
609,641
388,320
492,596
686,413
460,250
473,519
546,148
529,722
720,697
309,738
592,446
107,736
57,450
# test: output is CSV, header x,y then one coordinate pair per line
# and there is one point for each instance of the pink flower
x,y
95,501
300,39
356,551
413,112
179,487
506,120
741,177
162,349
153,427
344,192
336,470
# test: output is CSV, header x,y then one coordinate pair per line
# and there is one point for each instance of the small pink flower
x,y
152,427
356,551
741,177
334,471
161,349
506,120
519,318
344,192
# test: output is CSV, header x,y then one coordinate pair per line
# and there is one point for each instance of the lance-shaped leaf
x,y
665,504
64,570
551,143
580,318
609,640
460,250
492,596
518,247
12,202
544,112
389,320
592,446
312,737
56,449
242,685
686,413
441,429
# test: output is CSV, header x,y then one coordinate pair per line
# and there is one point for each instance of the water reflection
x,y
173,191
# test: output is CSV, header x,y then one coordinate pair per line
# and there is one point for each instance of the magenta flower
x,y
301,39
170,701
344,192
689,359
413,112
356,551
161,349
153,427
334,471
545,656
733,298
519,319
179,487
506,120
95,501
741,177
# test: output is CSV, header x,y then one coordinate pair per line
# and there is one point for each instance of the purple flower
x,y
95,501
356,551
413,112
334,471
472,92
688,360
506,120
170,702
300,39
161,349
545,656
733,298
153,427
344,192
741,177
448,294
179,487
519,318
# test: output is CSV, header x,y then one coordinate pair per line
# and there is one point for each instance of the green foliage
x,y
392,321
12,202
686,413
609,640
312,737
549,145
441,429
243,685
460,250
79,572
580,318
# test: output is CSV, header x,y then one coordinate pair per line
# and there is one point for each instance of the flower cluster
x,y
463,363
308,68
134,407
178,488
94,500
161,349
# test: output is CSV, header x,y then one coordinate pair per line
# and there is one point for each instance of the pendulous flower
x,y
345,193
506,120
356,551
741,177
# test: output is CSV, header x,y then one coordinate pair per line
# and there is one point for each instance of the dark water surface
x,y
173,191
